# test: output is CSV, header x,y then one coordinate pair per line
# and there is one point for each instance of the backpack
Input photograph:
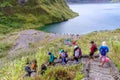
x,y
95,49
66,55
27,69
63,54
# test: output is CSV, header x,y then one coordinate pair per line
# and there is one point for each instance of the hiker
x,y
51,59
43,69
28,69
63,56
104,49
67,41
77,53
66,55
34,65
74,43
93,49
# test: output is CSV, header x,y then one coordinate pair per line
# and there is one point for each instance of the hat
x,y
75,47
91,41
104,43
61,50
49,53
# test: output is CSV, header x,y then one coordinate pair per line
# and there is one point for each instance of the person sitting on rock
x,y
67,41
43,69
104,49
28,69
77,53
34,65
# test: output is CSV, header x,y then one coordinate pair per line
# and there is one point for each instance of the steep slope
x,y
15,14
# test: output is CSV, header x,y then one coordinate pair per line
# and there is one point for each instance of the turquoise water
x,y
92,17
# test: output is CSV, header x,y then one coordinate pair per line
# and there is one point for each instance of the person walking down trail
x,y
77,53
104,49
51,59
93,49
63,56
28,70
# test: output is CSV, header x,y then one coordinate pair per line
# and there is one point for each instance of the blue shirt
x,y
103,50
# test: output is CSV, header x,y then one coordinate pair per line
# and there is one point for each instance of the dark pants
x,y
64,60
76,59
28,73
91,55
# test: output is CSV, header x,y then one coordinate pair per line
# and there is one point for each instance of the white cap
x,y
75,47
104,43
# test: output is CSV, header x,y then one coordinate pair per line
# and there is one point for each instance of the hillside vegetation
x,y
13,66
24,14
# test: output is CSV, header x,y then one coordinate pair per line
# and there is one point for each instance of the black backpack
x,y
95,49
27,69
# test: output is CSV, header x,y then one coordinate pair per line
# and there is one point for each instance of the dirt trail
x,y
100,73
92,70
107,72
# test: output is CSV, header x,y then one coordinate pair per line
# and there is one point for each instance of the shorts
x,y
76,58
103,58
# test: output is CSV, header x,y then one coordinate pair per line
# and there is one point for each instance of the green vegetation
x,y
34,13
16,63
16,16
64,73
13,67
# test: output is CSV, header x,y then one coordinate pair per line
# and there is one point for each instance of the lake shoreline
x,y
92,17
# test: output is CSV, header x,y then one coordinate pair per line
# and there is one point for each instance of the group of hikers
x,y
77,54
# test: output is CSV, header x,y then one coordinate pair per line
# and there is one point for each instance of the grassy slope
x,y
16,63
13,69
34,13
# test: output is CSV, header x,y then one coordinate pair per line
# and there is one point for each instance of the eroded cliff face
x,y
14,13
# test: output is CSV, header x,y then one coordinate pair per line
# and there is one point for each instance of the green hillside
x,y
24,14
12,67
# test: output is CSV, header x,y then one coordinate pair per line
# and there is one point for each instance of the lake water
x,y
92,17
